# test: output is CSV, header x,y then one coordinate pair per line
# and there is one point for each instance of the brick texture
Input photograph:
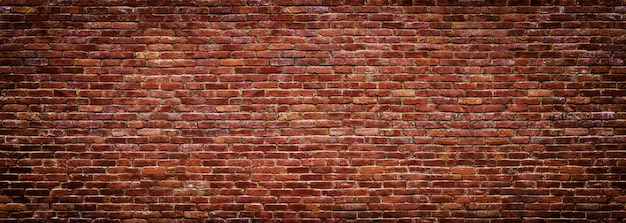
x,y
159,111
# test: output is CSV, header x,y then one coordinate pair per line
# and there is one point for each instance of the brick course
x,y
312,111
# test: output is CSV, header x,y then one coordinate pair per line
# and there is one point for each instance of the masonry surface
x,y
312,111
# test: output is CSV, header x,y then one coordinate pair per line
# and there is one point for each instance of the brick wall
x,y
320,110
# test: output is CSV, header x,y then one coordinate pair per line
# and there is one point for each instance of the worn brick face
x,y
312,111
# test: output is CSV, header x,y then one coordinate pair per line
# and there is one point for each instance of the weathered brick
x,y
312,111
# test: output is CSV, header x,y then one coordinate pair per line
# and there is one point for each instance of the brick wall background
x,y
312,110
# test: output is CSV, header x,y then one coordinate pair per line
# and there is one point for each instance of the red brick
x,y
231,62
370,170
304,111
463,170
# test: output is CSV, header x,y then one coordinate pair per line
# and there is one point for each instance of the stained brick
x,y
312,111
